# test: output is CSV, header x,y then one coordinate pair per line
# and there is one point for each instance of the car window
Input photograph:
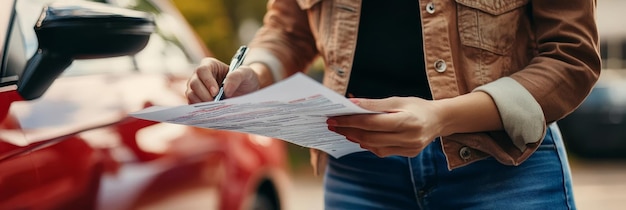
x,y
164,53
5,17
14,59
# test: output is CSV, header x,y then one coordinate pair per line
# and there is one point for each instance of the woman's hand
x,y
409,124
406,127
204,84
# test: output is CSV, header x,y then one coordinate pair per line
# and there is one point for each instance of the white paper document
x,y
294,110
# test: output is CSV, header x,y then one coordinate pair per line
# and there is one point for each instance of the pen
x,y
235,62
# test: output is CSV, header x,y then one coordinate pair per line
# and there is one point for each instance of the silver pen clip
x,y
235,63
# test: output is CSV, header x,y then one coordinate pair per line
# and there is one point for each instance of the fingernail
x,y
213,91
355,100
352,140
331,128
331,122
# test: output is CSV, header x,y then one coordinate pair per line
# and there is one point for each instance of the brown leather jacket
x,y
538,60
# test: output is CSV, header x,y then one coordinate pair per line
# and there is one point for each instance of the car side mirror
x,y
85,30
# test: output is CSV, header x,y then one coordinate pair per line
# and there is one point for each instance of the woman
x,y
470,90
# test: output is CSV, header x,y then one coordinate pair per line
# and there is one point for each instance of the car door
x,y
16,167
41,167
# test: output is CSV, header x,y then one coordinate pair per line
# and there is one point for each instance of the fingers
x,y
398,114
197,91
192,98
203,85
209,77
241,81
380,105
373,139
385,122
385,144
404,128
373,122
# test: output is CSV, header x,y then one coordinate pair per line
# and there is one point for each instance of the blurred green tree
x,y
219,22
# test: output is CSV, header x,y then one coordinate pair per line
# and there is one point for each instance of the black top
x,y
389,57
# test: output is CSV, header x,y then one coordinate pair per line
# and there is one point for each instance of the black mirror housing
x,y
93,30
84,30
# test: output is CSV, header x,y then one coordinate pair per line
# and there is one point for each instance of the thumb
x,y
241,81
377,105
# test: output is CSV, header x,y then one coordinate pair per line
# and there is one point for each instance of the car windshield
x,y
164,52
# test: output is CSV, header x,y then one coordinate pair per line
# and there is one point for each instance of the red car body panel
x,y
77,148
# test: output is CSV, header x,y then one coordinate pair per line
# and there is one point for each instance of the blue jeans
x,y
364,181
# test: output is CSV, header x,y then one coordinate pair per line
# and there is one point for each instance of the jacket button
x,y
430,8
465,153
440,66
339,71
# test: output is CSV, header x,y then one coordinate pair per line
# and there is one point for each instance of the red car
x,y
70,74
